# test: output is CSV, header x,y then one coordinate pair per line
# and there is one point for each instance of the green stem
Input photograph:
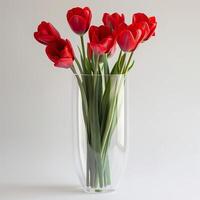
x,y
118,60
79,65
83,95
96,70
120,54
83,47
110,118
116,68
129,60
107,179
96,65
88,165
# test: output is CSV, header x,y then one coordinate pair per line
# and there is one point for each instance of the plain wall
x,y
164,99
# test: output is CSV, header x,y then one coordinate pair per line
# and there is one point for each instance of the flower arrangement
x,y
99,92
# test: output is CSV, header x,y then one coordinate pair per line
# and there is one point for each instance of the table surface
x,y
136,186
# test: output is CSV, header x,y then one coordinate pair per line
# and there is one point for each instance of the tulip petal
x,y
152,20
79,19
118,19
78,24
102,40
98,48
92,34
152,31
68,44
106,19
74,11
54,31
52,53
87,13
37,37
138,17
61,53
112,50
103,32
46,33
64,63
144,29
113,20
89,51
126,41
45,39
107,43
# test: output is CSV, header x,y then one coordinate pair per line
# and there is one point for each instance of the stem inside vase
x,y
100,123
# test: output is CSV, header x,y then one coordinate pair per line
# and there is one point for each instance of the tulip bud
x,y
102,40
46,33
113,21
61,53
150,21
79,19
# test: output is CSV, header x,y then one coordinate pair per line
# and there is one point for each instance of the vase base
x,y
98,190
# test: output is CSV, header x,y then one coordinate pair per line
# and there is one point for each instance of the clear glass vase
x,y
100,130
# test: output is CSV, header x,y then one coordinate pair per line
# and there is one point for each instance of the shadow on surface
x,y
39,190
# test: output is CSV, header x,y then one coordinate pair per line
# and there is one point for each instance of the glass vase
x,y
100,130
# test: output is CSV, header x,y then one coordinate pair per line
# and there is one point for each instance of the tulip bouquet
x,y
99,92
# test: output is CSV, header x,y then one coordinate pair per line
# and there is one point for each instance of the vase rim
x,y
111,75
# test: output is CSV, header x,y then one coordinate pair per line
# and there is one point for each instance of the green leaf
x,y
131,66
105,63
115,69
85,67
122,63
89,66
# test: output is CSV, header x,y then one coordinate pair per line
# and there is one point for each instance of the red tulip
x,y
151,21
61,53
79,19
129,37
113,20
143,26
102,40
46,33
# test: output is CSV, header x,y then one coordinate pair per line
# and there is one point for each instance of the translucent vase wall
x,y
100,130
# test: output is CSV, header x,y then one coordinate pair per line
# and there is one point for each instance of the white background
x,y
36,154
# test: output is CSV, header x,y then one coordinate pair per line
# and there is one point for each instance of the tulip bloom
x,y
129,37
102,40
61,53
151,21
46,33
113,20
79,19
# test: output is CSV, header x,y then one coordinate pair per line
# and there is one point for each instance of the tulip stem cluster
x,y
100,84
100,90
